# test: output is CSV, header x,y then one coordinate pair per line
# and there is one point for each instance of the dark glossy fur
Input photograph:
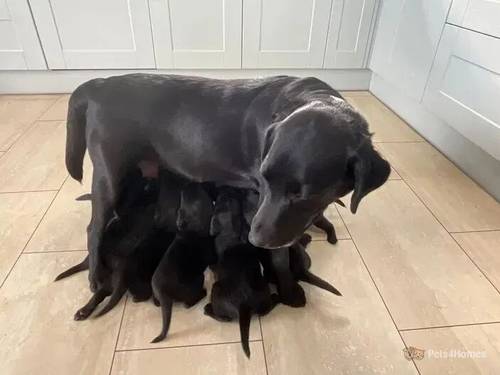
x,y
179,276
240,289
295,140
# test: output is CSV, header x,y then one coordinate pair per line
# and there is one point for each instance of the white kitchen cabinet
x,y
285,33
350,24
94,34
406,41
197,34
19,45
479,15
464,86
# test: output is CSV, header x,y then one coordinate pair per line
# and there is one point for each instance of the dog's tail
x,y
115,297
82,266
76,143
312,279
245,314
166,314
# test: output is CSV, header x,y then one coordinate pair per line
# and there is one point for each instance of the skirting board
x,y
65,81
471,159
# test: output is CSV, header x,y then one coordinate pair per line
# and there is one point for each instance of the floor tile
x,y
36,161
394,175
333,216
206,360
484,249
457,201
423,275
30,96
64,225
16,116
37,326
58,111
481,341
352,334
347,94
386,125
142,322
19,215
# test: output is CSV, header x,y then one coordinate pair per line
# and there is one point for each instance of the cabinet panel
x,y
285,33
210,37
464,85
19,45
479,15
350,24
95,34
406,41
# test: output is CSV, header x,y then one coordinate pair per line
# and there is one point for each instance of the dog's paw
x,y
295,298
82,314
332,238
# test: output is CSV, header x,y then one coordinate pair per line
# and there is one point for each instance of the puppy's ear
x,y
370,171
215,226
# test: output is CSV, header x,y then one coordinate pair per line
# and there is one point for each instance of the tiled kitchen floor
x,y
419,265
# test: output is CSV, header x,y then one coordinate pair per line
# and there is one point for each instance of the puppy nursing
x,y
167,231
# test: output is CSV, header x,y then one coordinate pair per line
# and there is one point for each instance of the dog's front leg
x,y
290,292
323,223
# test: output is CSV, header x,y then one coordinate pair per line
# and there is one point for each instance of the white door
x,y
197,34
464,86
285,33
19,45
479,15
350,24
406,41
94,34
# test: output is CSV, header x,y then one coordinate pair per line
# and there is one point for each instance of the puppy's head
x,y
226,223
195,210
319,153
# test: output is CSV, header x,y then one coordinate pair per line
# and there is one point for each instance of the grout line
x,y
448,326
53,251
263,346
183,346
118,334
453,238
29,191
475,231
30,126
376,286
416,141
31,236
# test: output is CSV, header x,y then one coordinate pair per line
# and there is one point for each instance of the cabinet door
x,y
285,33
19,45
197,34
406,41
350,24
479,15
464,86
94,34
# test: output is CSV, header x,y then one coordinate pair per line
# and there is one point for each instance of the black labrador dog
x,y
240,289
295,140
180,274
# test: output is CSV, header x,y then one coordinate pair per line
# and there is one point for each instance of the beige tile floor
x,y
419,265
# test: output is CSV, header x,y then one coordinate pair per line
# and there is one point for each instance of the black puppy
x,y
179,276
240,289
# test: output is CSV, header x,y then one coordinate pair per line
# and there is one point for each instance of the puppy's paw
x,y
332,238
156,302
295,298
82,314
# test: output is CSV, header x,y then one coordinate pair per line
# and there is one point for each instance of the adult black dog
x,y
295,140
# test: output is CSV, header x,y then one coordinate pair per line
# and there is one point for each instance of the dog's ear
x,y
215,226
370,171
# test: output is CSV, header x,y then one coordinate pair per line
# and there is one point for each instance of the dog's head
x,y
319,153
195,210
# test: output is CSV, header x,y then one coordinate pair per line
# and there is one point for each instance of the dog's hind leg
x,y
322,223
110,166
116,296
84,312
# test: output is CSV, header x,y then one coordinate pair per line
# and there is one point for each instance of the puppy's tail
x,y
84,265
115,297
166,314
76,143
312,279
245,317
